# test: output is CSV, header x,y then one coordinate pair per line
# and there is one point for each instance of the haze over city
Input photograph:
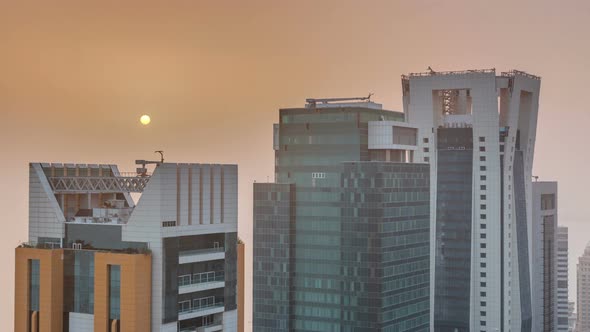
x,y
76,78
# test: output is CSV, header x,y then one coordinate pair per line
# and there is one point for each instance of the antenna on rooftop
x,y
312,102
536,178
161,155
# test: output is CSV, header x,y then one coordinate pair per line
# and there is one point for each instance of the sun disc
x,y
145,120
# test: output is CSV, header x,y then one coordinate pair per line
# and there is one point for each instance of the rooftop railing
x,y
444,73
515,72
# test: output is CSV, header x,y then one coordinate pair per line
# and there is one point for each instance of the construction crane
x,y
161,155
142,171
312,102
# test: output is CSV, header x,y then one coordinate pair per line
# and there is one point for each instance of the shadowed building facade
x,y
341,239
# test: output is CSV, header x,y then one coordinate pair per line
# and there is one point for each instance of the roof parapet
x,y
444,73
515,72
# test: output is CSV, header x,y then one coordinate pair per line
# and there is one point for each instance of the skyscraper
x,y
477,131
545,254
341,238
583,291
572,316
241,284
96,261
563,304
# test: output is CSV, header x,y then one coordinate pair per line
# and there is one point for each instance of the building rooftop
x,y
431,73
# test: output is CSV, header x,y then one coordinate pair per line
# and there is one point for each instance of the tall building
x,y
477,130
241,285
548,305
96,261
341,238
571,316
562,269
583,291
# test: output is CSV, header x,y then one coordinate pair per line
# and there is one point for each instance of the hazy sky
x,y
75,77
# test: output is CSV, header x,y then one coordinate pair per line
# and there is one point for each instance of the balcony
x,y
201,255
211,328
201,281
200,307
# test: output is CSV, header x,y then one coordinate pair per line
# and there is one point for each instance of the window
x,y
482,255
482,235
483,226
482,177
35,282
482,294
115,291
482,206
426,159
483,265
482,139
184,306
482,148
169,223
482,187
482,245
482,274
483,303
482,158
425,140
482,197
482,216
502,148
482,168
482,313
483,323
482,284
318,175
547,201
426,149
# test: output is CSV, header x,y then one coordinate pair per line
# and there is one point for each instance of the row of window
x,y
483,227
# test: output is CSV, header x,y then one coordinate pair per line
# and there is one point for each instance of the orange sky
x,y
75,77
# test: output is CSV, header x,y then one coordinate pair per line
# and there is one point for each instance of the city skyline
x,y
68,80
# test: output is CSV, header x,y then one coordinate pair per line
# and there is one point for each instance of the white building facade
x,y
477,131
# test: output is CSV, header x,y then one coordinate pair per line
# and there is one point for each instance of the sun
x,y
145,120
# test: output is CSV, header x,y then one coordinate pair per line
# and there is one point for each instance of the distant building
x,y
571,316
583,292
341,237
544,254
96,261
562,269
477,131
241,284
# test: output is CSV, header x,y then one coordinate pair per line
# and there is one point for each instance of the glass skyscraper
x,y
341,239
